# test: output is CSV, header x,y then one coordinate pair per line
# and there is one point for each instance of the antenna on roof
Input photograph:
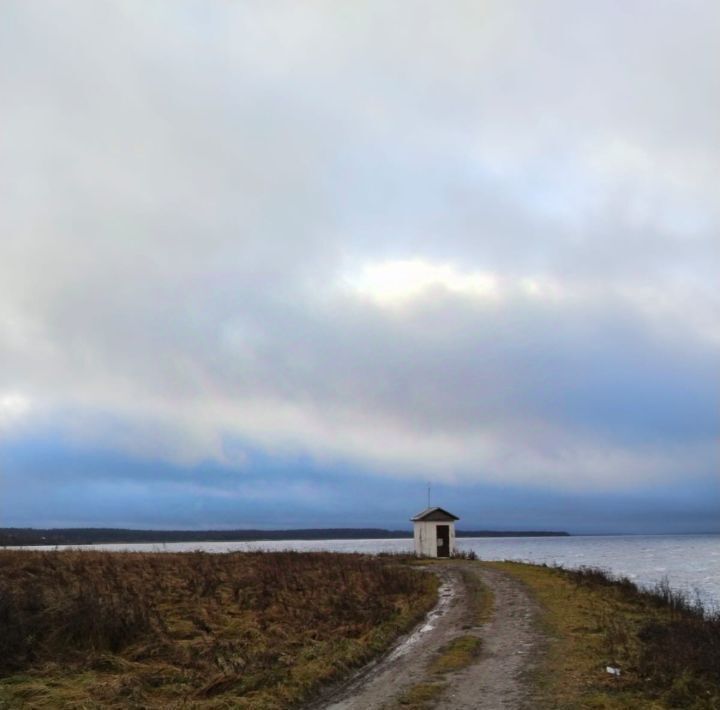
x,y
428,495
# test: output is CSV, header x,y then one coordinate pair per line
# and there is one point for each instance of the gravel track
x,y
511,644
497,680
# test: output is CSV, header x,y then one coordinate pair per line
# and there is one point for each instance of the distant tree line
x,y
87,536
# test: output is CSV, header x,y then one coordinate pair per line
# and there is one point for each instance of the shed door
x,y
443,540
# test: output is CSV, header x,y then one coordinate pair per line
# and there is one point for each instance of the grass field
x,y
241,630
666,645
267,630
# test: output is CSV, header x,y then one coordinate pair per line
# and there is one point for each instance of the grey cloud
x,y
186,186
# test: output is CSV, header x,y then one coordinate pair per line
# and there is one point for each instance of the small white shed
x,y
434,531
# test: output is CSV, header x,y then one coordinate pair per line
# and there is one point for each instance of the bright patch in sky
x,y
395,282
13,407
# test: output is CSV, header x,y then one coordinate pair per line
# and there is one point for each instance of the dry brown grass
x,y
245,630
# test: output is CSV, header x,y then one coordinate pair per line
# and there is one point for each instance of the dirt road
x,y
497,680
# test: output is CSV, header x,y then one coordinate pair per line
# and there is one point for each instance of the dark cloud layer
x,y
48,483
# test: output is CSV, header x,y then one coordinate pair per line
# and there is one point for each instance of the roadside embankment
x,y
614,646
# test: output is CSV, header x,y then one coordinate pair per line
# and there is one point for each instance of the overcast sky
x,y
282,263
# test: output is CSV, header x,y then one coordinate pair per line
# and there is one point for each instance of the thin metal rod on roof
x,y
428,495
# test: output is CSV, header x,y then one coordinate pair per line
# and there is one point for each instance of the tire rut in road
x,y
511,645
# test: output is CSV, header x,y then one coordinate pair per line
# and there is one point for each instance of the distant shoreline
x,y
12,537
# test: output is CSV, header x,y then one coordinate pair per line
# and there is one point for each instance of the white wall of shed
x,y
425,535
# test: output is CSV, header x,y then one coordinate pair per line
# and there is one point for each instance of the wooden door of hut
x,y
443,540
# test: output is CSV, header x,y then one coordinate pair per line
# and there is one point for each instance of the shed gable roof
x,y
430,514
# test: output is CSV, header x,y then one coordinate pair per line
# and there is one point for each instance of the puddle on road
x,y
446,593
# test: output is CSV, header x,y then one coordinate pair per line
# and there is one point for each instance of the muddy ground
x,y
497,680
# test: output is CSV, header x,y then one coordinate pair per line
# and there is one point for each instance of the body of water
x,y
690,562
